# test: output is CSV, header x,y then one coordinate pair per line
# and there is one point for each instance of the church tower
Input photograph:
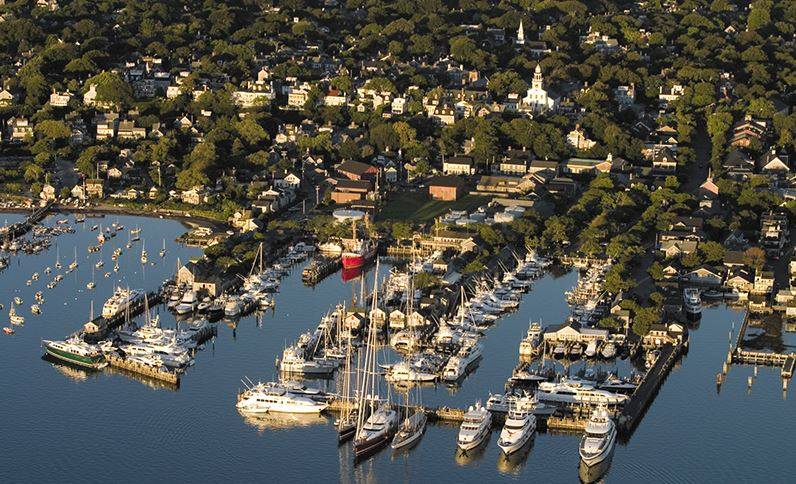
x,y
520,35
536,84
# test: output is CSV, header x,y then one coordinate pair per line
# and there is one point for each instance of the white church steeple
x,y
537,78
520,35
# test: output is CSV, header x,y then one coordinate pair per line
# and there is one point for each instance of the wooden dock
x,y
640,399
169,376
23,227
741,356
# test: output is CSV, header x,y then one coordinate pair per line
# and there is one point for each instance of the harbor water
x,y
107,426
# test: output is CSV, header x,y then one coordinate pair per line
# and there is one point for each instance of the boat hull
x,y
353,260
94,363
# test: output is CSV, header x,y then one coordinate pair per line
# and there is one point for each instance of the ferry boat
x,y
475,428
363,251
599,439
263,399
76,351
518,429
573,391
121,299
692,303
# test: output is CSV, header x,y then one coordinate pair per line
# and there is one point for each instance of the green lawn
x,y
418,207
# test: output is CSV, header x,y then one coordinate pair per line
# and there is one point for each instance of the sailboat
x,y
57,257
347,423
91,284
162,252
73,264
129,241
143,253
15,318
381,423
412,427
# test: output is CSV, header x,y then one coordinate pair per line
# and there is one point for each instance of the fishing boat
x,y
475,427
360,254
519,428
15,318
599,439
76,351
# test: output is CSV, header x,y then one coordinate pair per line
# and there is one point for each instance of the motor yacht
x,y
692,302
475,427
187,304
467,356
599,439
532,339
518,429
277,400
573,391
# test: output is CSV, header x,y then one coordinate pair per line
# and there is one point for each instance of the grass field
x,y
418,207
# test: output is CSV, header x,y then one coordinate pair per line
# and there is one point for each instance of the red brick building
x,y
346,191
354,170
446,188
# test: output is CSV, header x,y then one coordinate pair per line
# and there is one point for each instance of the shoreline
x,y
189,220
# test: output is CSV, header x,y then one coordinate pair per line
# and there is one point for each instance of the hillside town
x,y
649,145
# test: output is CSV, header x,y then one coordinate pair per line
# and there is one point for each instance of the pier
x,y
169,376
642,396
741,356
21,228
105,325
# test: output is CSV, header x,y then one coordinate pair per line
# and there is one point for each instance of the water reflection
x,y
277,421
467,457
514,463
74,373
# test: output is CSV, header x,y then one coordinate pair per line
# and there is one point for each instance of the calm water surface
x,y
98,427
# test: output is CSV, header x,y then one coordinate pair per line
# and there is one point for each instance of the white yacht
x,y
14,317
692,302
232,308
518,429
120,301
187,304
410,431
379,427
531,341
475,428
608,350
293,361
599,439
404,371
276,400
591,349
572,391
459,363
